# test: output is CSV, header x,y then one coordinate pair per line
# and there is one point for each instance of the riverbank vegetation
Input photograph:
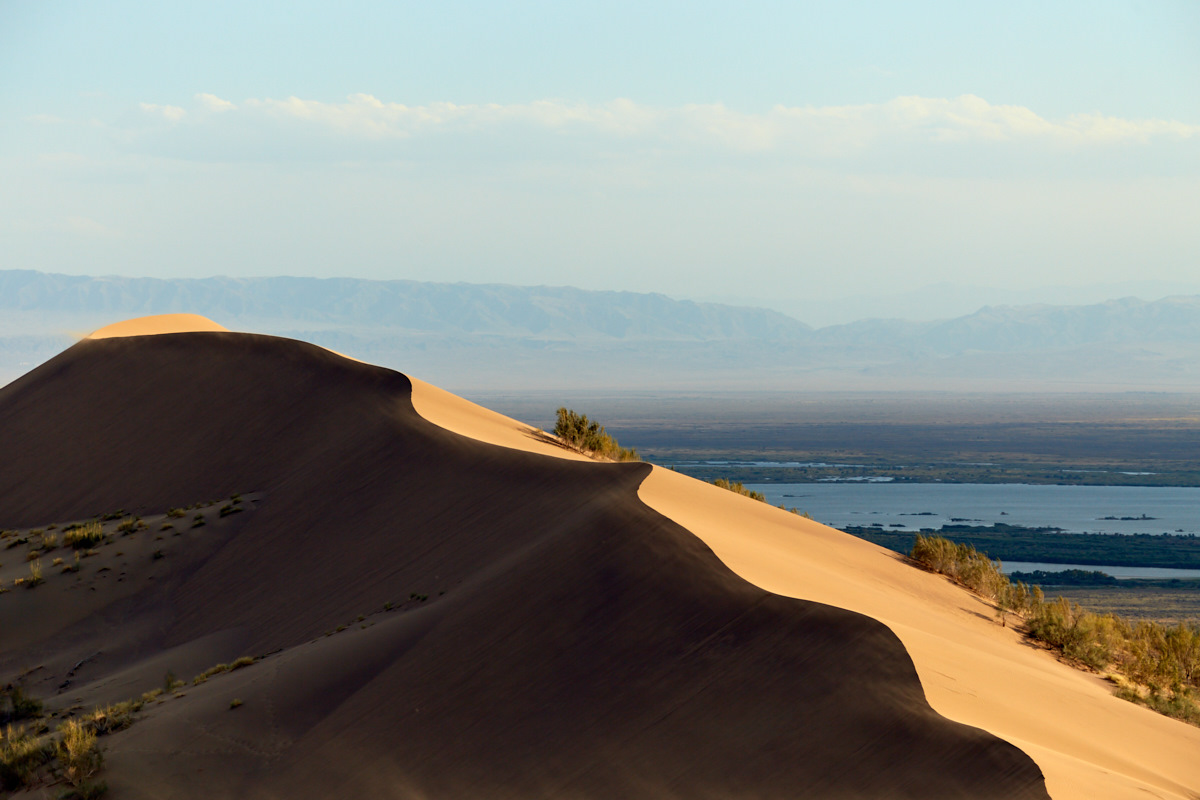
x,y
1154,664
1052,545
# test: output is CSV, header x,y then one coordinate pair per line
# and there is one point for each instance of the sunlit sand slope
x,y
1088,743
549,635
158,324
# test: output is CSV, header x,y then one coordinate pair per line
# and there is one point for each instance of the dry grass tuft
x,y
77,752
83,536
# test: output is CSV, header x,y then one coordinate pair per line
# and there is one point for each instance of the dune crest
x,y
1089,744
156,324
715,645
469,419
428,615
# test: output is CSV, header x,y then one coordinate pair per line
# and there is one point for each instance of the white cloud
x,y
214,103
911,134
966,118
172,113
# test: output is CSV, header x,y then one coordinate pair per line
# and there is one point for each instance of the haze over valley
x,y
496,337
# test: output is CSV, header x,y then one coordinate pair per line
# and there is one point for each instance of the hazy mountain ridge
x,y
542,312
1006,329
496,336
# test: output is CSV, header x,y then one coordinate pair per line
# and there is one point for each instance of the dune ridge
x,y
1088,743
156,325
434,615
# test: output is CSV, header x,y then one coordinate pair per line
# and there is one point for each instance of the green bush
x,y
1089,638
738,488
1163,662
962,563
589,437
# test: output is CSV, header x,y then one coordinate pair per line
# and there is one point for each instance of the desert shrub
x,y
49,541
229,508
35,574
77,752
217,669
1164,657
131,525
1092,639
83,536
20,754
589,437
739,488
16,705
176,513
113,718
208,673
963,564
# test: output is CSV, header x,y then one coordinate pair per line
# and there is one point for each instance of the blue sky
x,y
825,159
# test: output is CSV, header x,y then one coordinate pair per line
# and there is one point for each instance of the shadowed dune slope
x,y
574,643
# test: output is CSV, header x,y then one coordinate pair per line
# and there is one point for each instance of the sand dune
x,y
445,611
157,324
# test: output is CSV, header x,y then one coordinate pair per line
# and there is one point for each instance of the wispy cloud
x,y
906,130
935,119
214,103
172,113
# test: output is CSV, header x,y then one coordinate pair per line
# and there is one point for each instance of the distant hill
x,y
1008,329
540,312
500,337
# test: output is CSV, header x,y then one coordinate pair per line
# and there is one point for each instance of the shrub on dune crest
x,y
962,563
738,487
589,437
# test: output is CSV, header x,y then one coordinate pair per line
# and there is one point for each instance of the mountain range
x,y
488,336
